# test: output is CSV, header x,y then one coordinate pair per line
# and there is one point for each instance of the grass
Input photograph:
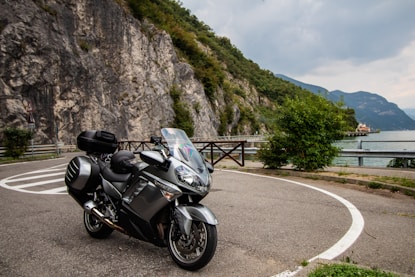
x,y
347,270
9,160
404,182
304,263
342,173
375,185
397,180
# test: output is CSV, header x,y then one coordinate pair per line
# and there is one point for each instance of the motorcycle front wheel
x,y
95,227
194,251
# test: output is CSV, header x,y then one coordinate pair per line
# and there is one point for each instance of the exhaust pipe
x,y
91,208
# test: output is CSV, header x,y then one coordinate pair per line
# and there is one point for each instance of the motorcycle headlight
x,y
189,178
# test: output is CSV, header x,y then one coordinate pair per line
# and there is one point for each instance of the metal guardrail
x,y
357,153
134,145
220,149
248,138
207,147
217,150
367,153
42,149
213,147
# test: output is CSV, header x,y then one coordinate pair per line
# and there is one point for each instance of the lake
x,y
387,140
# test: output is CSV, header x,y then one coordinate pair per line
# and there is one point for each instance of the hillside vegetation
x,y
187,31
191,37
130,67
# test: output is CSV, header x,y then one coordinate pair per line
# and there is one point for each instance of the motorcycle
x,y
156,200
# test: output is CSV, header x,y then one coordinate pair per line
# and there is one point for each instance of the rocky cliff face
x,y
90,65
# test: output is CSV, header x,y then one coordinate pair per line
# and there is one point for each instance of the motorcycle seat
x,y
117,179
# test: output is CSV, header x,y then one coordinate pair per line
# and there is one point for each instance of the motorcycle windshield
x,y
182,149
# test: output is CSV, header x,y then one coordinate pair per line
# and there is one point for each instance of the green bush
x,y
307,127
16,141
273,154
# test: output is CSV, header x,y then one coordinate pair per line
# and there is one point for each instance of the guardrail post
x,y
359,146
243,153
31,144
211,154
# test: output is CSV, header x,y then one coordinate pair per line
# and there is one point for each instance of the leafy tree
x,y
16,141
351,119
307,128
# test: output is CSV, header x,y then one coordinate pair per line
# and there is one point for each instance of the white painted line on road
x,y
59,190
344,243
24,177
34,177
37,183
10,164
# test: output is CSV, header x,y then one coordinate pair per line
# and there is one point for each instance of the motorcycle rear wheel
x,y
196,250
95,227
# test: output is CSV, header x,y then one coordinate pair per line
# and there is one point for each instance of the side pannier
x,y
82,174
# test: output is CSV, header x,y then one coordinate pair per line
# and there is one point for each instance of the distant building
x,y
362,128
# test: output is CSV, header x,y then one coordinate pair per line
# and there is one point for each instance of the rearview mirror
x,y
155,158
152,157
209,167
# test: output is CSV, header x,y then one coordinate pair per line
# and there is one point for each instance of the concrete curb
x,y
363,180
350,180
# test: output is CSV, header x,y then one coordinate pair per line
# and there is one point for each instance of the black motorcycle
x,y
154,200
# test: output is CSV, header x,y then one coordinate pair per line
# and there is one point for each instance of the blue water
x,y
387,140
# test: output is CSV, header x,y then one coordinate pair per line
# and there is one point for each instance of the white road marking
x,y
58,170
344,243
11,164
338,248
34,177
60,190
38,183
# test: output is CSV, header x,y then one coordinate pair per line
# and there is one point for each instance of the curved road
x,y
267,226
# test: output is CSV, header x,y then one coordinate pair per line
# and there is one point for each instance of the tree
x,y
307,127
16,141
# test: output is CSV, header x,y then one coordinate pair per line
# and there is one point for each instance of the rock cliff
x,y
90,65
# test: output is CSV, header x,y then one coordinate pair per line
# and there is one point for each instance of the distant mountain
x,y
410,113
374,110
371,109
312,88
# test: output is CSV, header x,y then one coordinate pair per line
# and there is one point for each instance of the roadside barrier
x,y
43,149
217,150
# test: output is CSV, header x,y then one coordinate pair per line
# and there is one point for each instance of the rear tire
x,y
196,250
95,227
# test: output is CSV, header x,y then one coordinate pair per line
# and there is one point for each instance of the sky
x,y
350,45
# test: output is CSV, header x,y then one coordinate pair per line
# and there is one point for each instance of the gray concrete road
x,y
267,226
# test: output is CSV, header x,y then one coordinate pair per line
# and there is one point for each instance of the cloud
x,y
362,42
393,77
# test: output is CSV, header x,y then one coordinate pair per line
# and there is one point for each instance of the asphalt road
x,y
266,226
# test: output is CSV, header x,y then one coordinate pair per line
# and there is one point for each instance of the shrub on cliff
x,y
183,119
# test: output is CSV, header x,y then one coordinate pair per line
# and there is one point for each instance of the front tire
x,y
196,250
95,227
